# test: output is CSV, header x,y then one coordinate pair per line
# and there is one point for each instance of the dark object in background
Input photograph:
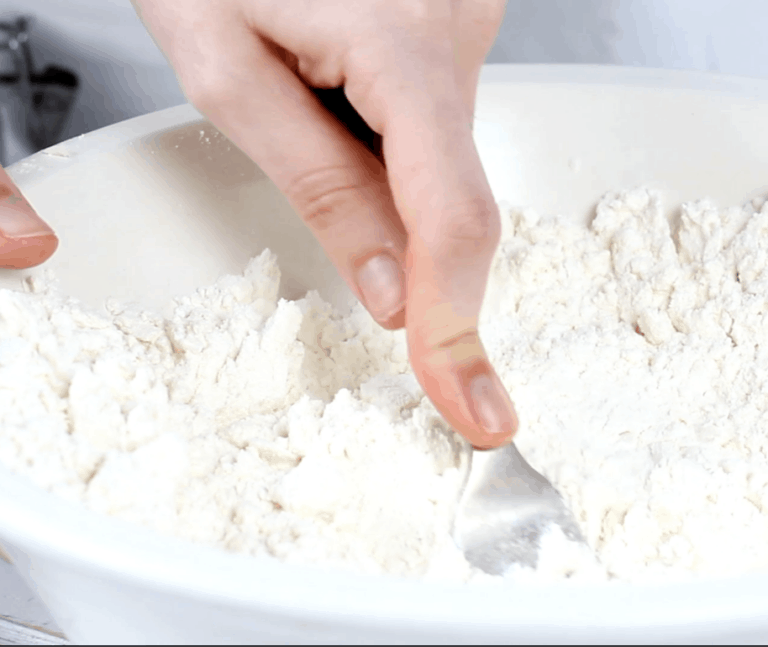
x,y
53,93
47,97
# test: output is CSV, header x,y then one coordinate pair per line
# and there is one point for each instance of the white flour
x,y
273,427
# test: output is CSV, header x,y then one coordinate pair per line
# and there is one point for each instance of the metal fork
x,y
504,510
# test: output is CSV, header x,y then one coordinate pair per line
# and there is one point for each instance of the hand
x,y
414,240
25,240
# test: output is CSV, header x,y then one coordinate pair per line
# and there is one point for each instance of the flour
x,y
270,427
636,359
244,421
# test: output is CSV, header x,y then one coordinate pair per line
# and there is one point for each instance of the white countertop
x,y
24,619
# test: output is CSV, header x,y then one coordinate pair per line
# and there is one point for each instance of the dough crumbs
x,y
635,354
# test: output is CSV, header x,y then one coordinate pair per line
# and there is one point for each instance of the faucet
x,y
46,98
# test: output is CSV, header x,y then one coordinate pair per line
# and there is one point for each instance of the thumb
x,y
446,204
25,240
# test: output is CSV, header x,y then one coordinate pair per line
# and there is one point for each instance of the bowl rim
x,y
617,75
37,166
31,519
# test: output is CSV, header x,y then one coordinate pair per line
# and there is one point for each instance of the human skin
x,y
25,240
413,229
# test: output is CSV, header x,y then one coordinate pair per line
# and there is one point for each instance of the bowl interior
x,y
158,206
162,204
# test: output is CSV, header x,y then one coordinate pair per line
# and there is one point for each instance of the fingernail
x,y
381,282
492,407
26,251
18,222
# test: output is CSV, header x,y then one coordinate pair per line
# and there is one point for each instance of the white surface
x,y
19,603
107,582
14,633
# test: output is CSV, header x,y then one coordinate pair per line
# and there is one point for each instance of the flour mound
x,y
634,352
637,360
244,421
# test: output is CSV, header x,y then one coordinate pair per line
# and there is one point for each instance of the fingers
x,y
332,180
25,240
441,192
475,25
433,195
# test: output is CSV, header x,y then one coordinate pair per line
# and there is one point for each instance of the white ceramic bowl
x,y
161,204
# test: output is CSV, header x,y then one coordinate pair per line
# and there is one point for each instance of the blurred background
x,y
119,73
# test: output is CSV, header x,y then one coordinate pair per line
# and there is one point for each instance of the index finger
x,y
25,240
446,204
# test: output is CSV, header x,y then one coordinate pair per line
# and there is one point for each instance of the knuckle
x,y
470,229
207,91
323,197
433,17
484,16
418,25
415,11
